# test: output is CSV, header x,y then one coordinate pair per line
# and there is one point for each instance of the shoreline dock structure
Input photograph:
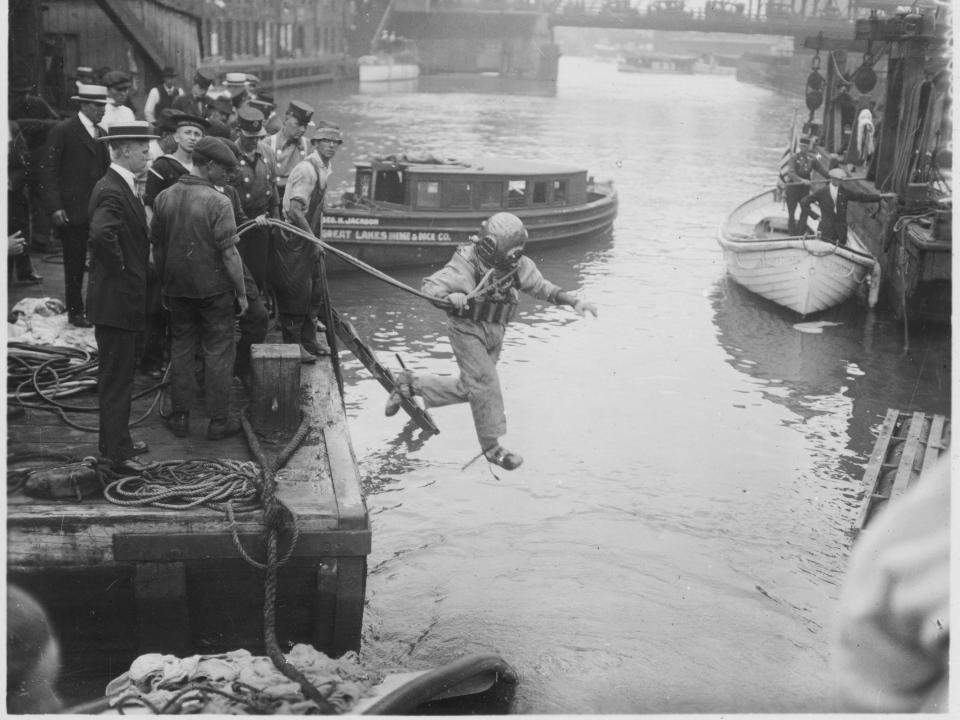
x,y
122,578
912,237
908,445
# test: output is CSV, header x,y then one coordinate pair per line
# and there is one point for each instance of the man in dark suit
x,y
194,102
117,289
72,165
832,201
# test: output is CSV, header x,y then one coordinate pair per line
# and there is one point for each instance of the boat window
x,y
363,185
389,187
540,192
517,193
491,194
559,191
428,194
461,195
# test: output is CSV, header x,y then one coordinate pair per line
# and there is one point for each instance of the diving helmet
x,y
502,238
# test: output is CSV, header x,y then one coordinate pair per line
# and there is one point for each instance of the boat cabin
x,y
487,186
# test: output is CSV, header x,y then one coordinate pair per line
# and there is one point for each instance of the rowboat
x,y
801,272
416,211
657,63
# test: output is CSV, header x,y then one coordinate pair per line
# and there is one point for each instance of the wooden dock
x,y
907,446
119,581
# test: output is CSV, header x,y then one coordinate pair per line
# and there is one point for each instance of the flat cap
x,y
115,78
203,78
838,173
325,131
216,150
249,121
301,111
221,104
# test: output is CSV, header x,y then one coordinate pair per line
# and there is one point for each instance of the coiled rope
x,y
40,375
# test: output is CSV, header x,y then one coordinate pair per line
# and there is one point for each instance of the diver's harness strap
x,y
493,311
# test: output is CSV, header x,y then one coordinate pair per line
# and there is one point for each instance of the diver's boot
x,y
499,455
291,328
403,387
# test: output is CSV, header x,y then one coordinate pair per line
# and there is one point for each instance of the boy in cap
x,y
832,201
118,86
167,169
162,96
194,102
73,163
481,284
288,147
117,289
194,237
297,282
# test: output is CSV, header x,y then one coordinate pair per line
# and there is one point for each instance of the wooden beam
x,y
207,546
871,476
132,29
827,44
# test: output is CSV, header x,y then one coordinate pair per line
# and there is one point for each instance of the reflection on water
x,y
676,536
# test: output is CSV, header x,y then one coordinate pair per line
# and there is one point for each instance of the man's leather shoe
x,y
179,424
79,321
140,447
130,466
32,278
219,429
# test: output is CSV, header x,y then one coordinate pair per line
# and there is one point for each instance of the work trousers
x,y
204,327
793,194
117,358
476,345
253,329
154,339
73,238
254,248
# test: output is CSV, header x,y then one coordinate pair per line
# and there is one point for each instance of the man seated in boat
x,y
832,202
479,290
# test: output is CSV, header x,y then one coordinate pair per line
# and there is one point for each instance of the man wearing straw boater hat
x,y
117,288
73,163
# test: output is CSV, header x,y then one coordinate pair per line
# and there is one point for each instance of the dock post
x,y
275,388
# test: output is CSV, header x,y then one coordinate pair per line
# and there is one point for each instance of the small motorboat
x,y
408,211
801,272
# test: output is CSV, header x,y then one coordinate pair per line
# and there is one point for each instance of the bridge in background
x,y
725,17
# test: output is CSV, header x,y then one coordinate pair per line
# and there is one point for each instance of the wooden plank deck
x,y
908,444
118,581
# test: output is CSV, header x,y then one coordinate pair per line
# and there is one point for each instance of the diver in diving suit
x,y
480,284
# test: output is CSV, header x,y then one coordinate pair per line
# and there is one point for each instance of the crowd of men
x,y
166,210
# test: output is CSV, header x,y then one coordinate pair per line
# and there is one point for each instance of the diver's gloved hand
x,y
458,300
582,307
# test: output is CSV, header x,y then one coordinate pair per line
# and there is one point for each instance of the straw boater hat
x,y
91,94
234,79
838,174
137,130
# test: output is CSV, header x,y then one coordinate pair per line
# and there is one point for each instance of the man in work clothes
x,y
194,238
258,191
162,96
118,85
480,285
832,201
194,102
297,280
117,289
797,181
287,146
72,164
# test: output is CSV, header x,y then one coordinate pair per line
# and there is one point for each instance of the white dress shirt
x,y
114,114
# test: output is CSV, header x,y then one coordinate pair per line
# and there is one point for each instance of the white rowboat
x,y
802,273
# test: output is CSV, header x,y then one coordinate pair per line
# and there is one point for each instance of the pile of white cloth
x,y
43,321
160,678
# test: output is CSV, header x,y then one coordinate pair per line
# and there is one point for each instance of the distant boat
x,y
657,63
416,211
395,59
800,272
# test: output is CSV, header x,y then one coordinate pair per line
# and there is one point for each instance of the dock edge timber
x,y
118,581
907,446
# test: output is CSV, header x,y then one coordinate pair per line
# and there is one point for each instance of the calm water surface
x,y
677,535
